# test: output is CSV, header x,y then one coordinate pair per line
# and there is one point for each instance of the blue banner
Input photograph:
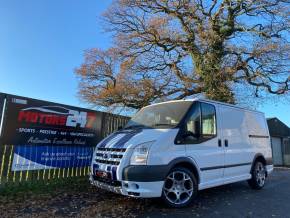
x,y
35,157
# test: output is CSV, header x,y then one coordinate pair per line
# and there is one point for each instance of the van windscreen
x,y
165,115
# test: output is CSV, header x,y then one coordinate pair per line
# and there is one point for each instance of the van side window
x,y
200,126
191,124
208,120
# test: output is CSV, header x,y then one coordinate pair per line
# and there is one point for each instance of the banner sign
x,y
48,135
34,122
35,157
2,109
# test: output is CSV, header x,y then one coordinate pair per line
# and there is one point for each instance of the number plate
x,y
103,174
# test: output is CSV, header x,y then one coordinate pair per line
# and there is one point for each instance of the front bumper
x,y
131,188
269,169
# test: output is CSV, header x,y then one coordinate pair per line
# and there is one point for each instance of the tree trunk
x,y
215,83
219,91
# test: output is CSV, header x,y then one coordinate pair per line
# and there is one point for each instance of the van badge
x,y
106,156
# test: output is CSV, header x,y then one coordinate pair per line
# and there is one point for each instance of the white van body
x,y
229,141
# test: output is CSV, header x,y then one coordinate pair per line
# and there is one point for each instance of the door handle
x,y
226,143
220,143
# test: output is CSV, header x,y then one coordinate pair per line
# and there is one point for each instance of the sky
x,y
43,41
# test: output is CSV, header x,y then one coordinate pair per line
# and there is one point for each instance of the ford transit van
x,y
174,149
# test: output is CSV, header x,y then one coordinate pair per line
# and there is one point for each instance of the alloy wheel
x,y
178,187
260,174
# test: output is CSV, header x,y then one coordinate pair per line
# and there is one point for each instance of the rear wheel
x,y
180,188
258,176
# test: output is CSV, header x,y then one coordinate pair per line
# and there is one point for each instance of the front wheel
x,y
180,188
258,176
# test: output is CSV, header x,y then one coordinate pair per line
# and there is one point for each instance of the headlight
x,y
140,153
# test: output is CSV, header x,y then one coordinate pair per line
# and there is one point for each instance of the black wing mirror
x,y
195,134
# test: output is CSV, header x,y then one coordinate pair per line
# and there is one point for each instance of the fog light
x,y
134,186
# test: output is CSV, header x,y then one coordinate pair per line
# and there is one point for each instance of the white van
x,y
173,149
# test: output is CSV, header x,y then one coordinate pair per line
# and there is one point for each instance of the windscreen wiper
x,y
134,126
164,124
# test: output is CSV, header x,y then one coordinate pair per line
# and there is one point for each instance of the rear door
x,y
204,146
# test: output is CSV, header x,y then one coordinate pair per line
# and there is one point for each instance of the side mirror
x,y
195,134
187,134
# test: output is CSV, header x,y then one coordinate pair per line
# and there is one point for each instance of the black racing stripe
x,y
126,138
114,173
121,142
106,140
258,136
225,166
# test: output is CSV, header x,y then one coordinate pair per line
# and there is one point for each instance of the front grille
x,y
110,156
112,149
107,162
108,181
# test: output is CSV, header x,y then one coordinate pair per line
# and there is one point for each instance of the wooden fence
x,y
110,123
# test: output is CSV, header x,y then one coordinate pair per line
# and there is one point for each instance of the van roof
x,y
209,101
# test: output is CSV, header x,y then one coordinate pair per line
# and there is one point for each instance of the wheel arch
x,y
259,157
185,162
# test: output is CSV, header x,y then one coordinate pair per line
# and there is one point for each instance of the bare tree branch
x,y
172,49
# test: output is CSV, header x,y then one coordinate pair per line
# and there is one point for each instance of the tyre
x,y
180,188
258,176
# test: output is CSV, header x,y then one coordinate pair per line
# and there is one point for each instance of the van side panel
x,y
239,153
256,124
259,134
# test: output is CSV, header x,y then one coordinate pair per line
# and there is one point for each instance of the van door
x,y
238,149
202,143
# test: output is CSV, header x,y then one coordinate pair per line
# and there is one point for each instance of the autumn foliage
x,y
172,49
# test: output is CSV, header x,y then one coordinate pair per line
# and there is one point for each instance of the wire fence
x,y
110,123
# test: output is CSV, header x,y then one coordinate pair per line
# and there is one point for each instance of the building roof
x,y
278,128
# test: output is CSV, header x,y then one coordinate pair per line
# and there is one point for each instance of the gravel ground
x,y
235,200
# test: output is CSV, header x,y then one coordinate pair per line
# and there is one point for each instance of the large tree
x,y
172,49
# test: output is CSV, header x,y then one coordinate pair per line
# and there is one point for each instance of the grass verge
x,y
44,187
